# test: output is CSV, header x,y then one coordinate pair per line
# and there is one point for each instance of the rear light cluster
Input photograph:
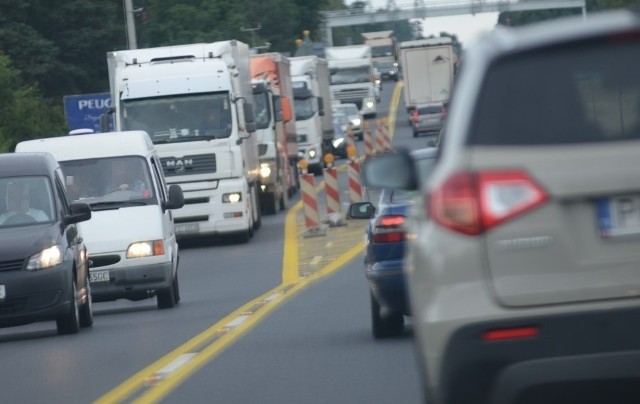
x,y
415,114
389,229
472,203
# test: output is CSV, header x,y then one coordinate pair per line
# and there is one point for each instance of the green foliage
x,y
24,114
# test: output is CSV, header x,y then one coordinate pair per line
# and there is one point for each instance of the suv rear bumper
x,y
589,357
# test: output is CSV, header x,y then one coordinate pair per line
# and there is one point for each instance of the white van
x,y
133,252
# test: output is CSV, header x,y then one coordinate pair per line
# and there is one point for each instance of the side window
x,y
159,177
62,195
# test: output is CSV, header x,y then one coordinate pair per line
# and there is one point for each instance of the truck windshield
x,y
304,108
180,119
351,75
378,51
261,107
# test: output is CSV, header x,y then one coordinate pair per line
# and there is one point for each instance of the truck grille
x,y
351,94
187,165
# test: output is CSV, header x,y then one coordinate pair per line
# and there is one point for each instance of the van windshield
x,y
180,119
110,182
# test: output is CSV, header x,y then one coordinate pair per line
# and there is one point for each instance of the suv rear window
x,y
586,92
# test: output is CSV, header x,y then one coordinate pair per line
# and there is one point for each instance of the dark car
x,y
385,250
388,70
43,265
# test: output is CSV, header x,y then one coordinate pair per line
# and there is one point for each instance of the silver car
x,y
428,118
355,118
523,263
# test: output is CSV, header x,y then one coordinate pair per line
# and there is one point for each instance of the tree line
x,y
53,48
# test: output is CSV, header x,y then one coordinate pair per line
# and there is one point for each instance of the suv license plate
x,y
99,276
619,216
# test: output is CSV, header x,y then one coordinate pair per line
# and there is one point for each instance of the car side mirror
x,y
176,198
394,170
361,210
78,212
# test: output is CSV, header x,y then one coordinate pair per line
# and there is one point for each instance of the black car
x,y
43,265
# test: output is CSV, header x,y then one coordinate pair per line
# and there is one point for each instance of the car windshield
x,y
590,84
179,119
26,201
112,181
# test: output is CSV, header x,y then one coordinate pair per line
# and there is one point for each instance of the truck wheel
x,y
257,214
284,200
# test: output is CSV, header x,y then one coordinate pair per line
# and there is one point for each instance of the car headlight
x,y
337,142
265,170
312,153
356,122
145,249
233,197
370,104
47,258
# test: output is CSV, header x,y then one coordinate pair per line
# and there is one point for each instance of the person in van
x,y
127,176
17,200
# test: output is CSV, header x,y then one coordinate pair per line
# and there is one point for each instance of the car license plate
x,y
99,276
3,292
187,228
619,216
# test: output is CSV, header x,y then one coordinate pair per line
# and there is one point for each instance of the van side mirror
x,y
176,198
320,106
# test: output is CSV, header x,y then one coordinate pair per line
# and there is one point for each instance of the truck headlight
x,y
356,122
145,249
370,104
312,153
47,258
337,142
233,197
265,170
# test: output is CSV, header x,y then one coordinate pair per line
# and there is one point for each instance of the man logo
x,y
179,166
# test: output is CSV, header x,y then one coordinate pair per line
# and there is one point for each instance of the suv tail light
x,y
389,229
472,203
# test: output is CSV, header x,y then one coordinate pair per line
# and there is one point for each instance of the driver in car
x,y
125,177
18,204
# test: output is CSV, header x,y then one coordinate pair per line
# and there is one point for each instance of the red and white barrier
x,y
355,187
369,146
332,191
310,202
380,144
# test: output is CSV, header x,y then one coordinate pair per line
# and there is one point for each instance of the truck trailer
x,y
275,128
428,71
196,103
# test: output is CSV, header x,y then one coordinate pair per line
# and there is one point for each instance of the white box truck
x,y
428,71
312,105
196,103
352,76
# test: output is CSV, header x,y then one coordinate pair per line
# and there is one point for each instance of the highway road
x,y
283,318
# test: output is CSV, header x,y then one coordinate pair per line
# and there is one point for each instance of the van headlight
x,y
145,249
369,104
45,259
233,197
356,122
265,170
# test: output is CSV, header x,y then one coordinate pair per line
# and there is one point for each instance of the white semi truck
x,y
428,71
312,105
275,128
196,103
352,77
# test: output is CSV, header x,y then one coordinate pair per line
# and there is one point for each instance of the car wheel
x,y
167,296
383,326
86,310
69,323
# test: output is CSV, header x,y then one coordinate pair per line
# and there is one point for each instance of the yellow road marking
x,y
153,383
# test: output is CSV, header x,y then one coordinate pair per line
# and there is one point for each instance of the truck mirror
x,y
320,106
104,120
249,116
277,108
287,111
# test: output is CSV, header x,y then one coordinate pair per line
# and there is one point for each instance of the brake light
x,y
388,229
510,333
415,117
472,203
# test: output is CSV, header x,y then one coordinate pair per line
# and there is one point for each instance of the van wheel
x,y
167,296
69,323
389,325
257,218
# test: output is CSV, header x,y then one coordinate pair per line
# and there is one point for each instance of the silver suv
x,y
524,261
